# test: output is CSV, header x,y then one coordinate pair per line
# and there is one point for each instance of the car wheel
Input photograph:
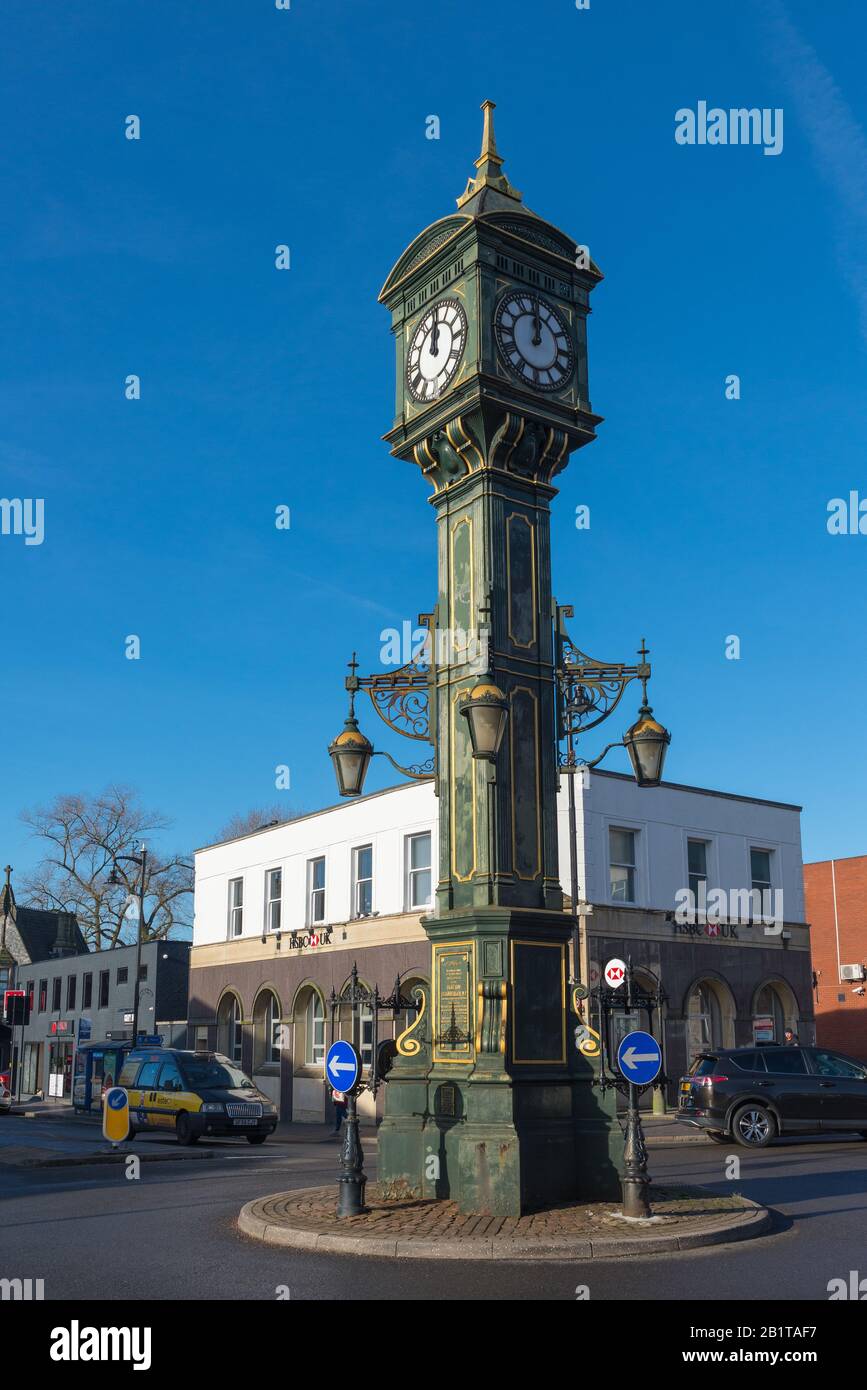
x,y
256,1138
717,1136
184,1130
754,1127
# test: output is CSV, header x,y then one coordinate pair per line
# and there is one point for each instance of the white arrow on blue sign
x,y
639,1058
342,1066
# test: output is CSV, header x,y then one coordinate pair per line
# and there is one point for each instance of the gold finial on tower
x,y
489,163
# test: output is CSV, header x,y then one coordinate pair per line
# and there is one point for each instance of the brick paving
x,y
684,1219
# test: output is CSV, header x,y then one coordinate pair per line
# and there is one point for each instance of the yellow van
x,y
193,1093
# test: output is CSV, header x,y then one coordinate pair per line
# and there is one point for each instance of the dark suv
x,y
757,1093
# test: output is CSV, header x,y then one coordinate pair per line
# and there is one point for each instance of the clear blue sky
x,y
156,257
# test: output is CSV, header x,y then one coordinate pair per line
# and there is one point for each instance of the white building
x,y
281,915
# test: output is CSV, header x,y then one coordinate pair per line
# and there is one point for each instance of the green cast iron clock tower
x,y
489,313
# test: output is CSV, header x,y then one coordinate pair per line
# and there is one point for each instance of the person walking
x,y
790,1038
339,1102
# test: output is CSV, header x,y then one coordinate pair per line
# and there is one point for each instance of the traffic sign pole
x,y
343,1071
635,1180
639,1058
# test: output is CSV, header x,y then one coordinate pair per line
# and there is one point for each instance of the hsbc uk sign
x,y
711,929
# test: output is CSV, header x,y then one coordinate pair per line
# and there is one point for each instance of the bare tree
x,y
82,837
245,824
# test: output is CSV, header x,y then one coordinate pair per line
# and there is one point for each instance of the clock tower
x,y
489,1102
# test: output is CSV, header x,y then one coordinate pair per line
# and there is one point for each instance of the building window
x,y
55,995
87,991
143,973
235,1032
315,891
122,974
418,877
704,1026
236,906
273,898
103,989
30,995
71,983
43,996
315,1040
696,855
621,858
364,1035
760,870
362,881
770,1016
275,1030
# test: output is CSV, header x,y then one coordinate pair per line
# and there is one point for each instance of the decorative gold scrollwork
x,y
407,1045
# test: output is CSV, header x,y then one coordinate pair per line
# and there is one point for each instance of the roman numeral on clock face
x,y
435,350
533,341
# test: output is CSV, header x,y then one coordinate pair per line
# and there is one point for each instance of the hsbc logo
x,y
615,973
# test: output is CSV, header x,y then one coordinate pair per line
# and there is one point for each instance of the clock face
x,y
435,350
533,340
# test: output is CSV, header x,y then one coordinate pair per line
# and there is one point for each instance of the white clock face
x,y
533,340
435,350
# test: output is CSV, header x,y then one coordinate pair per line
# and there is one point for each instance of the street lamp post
x,y
588,692
116,880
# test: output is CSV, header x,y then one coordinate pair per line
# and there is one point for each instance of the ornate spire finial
x,y
489,163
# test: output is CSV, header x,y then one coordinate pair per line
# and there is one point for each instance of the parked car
x,y
192,1094
5,1098
754,1094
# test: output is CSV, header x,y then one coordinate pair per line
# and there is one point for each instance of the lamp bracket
x,y
588,691
401,698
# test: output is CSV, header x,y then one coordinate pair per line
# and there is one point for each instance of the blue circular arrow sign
x,y
639,1058
343,1066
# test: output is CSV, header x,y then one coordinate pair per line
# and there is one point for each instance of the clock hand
x,y
435,336
537,324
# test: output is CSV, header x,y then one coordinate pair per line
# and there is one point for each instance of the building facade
x,y
836,897
89,997
282,914
28,934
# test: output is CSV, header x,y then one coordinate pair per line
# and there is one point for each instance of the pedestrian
x,y
339,1101
790,1038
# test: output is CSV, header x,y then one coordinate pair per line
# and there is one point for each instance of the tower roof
x,y
489,200
490,167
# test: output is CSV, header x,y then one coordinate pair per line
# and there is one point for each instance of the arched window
x,y
315,1030
267,1030
769,1005
230,1030
704,1024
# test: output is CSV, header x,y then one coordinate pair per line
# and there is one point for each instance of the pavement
x,y
683,1219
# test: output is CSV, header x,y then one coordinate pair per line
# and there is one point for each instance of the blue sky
x,y
307,127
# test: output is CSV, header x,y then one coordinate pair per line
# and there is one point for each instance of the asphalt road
x,y
91,1233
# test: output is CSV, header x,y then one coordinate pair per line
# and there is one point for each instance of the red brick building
x,y
835,892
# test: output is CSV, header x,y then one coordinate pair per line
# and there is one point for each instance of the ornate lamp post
x,y
588,693
116,880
